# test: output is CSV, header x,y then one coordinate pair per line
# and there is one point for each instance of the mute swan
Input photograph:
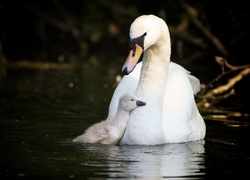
x,y
111,132
171,114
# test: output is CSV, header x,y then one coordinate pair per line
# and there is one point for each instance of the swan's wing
x,y
128,84
177,106
195,82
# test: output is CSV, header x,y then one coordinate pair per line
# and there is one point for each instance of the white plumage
x,y
171,114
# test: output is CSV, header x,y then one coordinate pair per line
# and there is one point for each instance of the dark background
x,y
77,31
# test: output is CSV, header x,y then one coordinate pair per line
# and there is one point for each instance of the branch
x,y
193,14
51,20
223,62
213,93
187,38
231,82
116,8
65,26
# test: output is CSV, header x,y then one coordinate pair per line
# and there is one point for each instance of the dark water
x,y
42,111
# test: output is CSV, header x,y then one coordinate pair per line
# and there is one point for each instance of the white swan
x,y
111,132
171,114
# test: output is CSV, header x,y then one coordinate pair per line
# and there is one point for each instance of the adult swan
x,y
171,114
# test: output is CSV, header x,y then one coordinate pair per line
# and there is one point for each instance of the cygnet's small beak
x,y
140,103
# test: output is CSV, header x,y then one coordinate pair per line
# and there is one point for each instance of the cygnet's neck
x,y
121,117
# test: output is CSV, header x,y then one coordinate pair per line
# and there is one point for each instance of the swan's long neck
x,y
152,81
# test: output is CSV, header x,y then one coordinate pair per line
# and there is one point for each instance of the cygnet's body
x,y
111,131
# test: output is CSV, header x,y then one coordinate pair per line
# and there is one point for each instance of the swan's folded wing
x,y
177,106
195,82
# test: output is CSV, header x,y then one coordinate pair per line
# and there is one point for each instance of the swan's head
x,y
130,102
145,31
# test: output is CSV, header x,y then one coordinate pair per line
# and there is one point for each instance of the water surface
x,y
41,111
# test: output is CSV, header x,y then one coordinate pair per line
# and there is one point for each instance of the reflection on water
x,y
170,160
42,111
228,118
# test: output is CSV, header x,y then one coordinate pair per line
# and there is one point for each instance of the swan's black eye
x,y
132,99
133,53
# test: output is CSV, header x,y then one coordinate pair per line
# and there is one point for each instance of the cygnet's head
x,y
129,102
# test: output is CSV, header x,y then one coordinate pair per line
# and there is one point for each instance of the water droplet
x,y
71,84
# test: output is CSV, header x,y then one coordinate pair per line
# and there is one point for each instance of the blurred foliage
x,y
66,31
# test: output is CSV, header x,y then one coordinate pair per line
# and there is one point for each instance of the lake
x,y
41,111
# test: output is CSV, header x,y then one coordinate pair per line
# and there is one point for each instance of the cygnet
x,y
112,130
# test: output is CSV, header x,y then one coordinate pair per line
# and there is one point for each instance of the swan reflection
x,y
169,160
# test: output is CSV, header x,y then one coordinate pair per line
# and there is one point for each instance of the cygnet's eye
x,y
132,99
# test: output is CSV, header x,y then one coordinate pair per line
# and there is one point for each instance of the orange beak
x,y
132,59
